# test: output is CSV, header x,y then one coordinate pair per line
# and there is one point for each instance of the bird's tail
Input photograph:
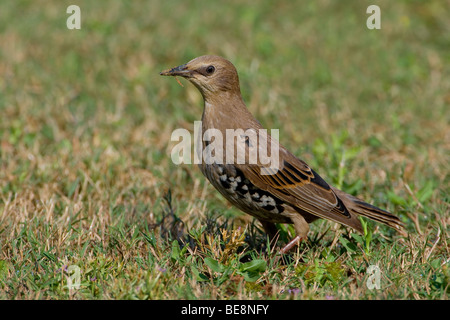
x,y
367,210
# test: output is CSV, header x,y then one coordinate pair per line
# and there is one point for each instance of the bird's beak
x,y
182,71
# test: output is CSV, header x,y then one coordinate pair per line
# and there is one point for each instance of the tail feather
x,y
365,209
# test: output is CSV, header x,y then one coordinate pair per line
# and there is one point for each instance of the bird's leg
x,y
269,228
290,245
301,228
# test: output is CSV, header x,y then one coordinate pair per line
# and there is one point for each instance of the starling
x,y
290,193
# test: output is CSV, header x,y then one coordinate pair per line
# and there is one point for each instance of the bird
x,y
292,193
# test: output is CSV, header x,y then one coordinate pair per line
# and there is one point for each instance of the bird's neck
x,y
226,110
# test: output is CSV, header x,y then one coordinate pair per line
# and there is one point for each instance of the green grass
x,y
86,178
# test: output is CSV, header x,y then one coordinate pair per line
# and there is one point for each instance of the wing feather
x,y
297,184
300,186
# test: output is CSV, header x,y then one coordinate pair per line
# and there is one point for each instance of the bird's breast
x,y
236,188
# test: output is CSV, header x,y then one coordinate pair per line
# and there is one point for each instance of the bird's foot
x,y
290,245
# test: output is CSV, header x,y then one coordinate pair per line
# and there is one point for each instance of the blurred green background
x,y
85,118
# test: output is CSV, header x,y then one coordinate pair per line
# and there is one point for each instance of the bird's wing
x,y
297,184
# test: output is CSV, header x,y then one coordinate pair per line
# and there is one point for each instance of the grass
x,y
86,178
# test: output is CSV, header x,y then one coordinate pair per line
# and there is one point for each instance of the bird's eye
x,y
210,70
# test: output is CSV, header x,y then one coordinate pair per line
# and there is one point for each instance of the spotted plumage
x,y
235,187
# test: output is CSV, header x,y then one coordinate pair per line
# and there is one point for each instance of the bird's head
x,y
212,75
